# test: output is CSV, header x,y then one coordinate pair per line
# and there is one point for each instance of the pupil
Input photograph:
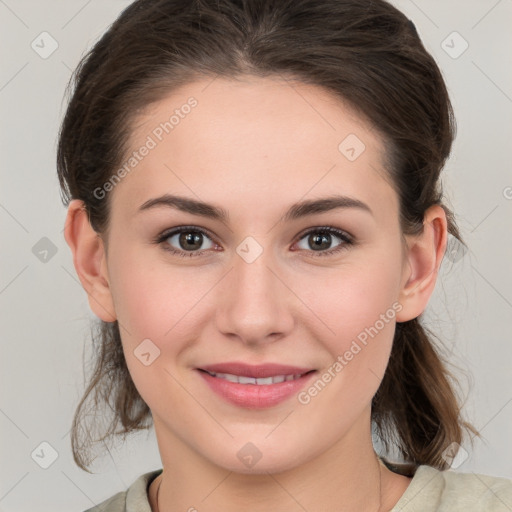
x,y
318,240
188,239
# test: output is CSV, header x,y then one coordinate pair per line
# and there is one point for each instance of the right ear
x,y
89,259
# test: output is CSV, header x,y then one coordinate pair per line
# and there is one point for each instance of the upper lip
x,y
255,371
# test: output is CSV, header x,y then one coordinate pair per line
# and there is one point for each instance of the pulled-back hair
x,y
365,52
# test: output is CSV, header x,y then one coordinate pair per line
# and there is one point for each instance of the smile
x,y
255,387
266,381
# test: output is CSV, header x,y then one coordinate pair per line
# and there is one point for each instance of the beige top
x,y
430,490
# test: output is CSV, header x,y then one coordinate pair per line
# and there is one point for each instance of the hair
x,y
365,52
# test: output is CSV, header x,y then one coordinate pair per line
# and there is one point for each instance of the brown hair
x,y
368,54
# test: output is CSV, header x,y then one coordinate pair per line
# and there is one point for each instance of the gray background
x,y
44,311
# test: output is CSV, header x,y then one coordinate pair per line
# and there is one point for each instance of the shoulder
x,y
134,499
431,490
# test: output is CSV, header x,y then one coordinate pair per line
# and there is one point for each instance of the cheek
x,y
154,307
161,303
359,311
353,296
357,305
149,296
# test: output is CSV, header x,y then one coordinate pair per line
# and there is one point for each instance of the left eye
x,y
320,239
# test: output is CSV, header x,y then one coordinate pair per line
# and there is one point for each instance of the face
x,y
312,288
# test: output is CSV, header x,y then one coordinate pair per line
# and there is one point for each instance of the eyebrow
x,y
296,211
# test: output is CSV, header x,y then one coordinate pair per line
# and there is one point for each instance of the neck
x,y
347,477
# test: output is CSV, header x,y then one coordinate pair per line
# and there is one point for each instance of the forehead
x,y
230,140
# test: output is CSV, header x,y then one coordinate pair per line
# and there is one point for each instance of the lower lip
x,y
253,396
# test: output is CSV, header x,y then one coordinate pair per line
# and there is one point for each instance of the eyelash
x,y
163,237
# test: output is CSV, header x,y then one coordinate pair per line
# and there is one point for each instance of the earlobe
x,y
424,256
89,259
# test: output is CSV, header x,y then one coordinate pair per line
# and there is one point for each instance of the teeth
x,y
245,380
252,380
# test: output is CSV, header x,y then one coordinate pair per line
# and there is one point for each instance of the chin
x,y
251,460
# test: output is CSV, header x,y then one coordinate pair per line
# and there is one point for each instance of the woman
x,y
255,213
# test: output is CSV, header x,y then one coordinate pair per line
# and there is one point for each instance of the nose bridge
x,y
254,278
253,302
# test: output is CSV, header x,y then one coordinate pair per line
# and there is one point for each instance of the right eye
x,y
185,241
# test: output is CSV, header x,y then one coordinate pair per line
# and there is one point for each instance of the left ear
x,y
424,256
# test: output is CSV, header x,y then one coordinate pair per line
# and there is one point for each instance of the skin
x,y
254,147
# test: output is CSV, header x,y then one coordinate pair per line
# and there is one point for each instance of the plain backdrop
x,y
44,312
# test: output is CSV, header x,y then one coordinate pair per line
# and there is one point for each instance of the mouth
x,y
258,381
255,387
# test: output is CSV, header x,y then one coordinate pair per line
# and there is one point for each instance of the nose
x,y
255,303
